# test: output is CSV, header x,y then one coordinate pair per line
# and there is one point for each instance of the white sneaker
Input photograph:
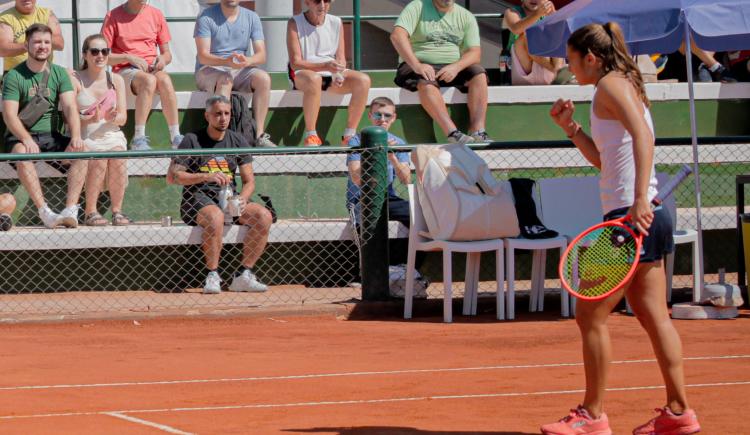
x,y
49,217
69,216
213,284
247,282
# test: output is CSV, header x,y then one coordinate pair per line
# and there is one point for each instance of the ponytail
x,y
607,43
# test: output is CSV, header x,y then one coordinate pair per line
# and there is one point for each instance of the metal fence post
x,y
374,209
357,36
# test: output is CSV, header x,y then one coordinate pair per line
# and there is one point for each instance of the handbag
x,y
38,105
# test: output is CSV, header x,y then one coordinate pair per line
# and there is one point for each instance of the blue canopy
x,y
650,26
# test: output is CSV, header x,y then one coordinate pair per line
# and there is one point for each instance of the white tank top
x,y
615,146
319,43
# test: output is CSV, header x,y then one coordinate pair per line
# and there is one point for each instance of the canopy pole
x,y
696,173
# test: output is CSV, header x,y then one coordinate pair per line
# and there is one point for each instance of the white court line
x,y
344,374
162,427
362,401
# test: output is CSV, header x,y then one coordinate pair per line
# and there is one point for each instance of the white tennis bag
x,y
460,198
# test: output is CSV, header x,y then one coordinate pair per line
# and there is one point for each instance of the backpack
x,y
242,122
460,198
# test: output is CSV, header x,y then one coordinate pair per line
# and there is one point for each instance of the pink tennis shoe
x,y
578,422
668,423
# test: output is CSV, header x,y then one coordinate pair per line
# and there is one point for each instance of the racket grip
x,y
673,182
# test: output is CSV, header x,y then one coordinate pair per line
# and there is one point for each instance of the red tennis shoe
x,y
669,423
579,422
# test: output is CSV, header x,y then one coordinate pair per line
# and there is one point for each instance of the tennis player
x,y
621,146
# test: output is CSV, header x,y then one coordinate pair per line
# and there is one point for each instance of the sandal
x,y
119,219
95,219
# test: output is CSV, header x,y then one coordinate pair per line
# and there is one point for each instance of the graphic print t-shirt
x,y
210,164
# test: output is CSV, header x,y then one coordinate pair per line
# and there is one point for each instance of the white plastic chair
x,y
569,206
418,242
680,236
538,263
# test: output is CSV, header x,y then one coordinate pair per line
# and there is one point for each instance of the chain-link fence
x,y
153,252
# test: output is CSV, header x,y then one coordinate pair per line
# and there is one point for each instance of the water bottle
x,y
504,64
224,194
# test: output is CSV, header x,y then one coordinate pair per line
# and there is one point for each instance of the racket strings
x,y
600,261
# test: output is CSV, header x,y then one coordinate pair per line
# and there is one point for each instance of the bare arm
x,y
58,43
562,113
73,118
122,104
164,58
402,170
513,21
248,181
341,49
355,172
178,174
14,124
402,44
295,53
259,54
621,102
203,46
8,48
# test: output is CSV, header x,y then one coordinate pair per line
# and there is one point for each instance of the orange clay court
x,y
348,374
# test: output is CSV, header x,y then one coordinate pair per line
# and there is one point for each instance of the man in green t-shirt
x,y
20,86
438,44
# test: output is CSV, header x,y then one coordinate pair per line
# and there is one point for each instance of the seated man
x,y
222,66
382,114
438,45
203,178
13,25
7,205
31,133
133,32
527,69
317,62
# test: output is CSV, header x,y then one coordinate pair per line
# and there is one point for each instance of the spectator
x,y
203,179
315,41
222,35
525,68
13,25
382,114
101,102
7,205
710,70
438,45
31,133
739,65
133,32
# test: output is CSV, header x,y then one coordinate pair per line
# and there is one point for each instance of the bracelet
x,y
576,130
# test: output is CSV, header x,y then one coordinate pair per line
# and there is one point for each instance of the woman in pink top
x,y
622,148
101,102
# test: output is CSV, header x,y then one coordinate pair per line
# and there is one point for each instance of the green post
x,y
357,37
76,40
374,210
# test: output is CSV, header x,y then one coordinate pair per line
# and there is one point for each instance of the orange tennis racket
x,y
603,259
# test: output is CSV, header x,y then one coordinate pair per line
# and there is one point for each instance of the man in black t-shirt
x,y
203,179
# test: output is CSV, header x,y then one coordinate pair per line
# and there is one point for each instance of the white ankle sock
x,y
349,132
174,130
310,133
140,131
715,67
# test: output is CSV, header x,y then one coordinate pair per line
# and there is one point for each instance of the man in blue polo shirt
x,y
222,34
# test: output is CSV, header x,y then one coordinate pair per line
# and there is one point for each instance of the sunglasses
x,y
382,116
97,51
322,1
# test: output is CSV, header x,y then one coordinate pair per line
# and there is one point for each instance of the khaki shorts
x,y
242,79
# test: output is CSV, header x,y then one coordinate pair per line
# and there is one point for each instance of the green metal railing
x,y
356,19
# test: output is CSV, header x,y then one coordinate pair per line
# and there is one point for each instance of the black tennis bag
x,y
242,121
